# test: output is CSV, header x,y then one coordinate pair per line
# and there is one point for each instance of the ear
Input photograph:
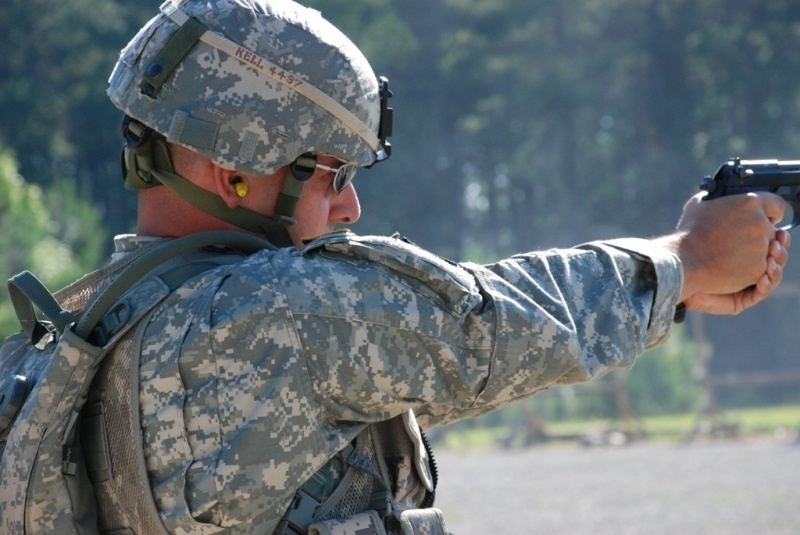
x,y
224,183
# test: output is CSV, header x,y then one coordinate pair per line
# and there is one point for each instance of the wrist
x,y
676,243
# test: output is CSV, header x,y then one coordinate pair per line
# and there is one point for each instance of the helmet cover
x,y
287,83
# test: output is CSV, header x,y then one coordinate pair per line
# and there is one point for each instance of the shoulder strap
x,y
26,290
152,259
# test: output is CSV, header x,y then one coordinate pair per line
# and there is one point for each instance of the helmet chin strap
x,y
146,163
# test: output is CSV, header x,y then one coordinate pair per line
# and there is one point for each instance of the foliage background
x,y
519,124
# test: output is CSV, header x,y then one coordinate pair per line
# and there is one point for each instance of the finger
x,y
784,237
753,295
778,252
765,284
774,273
774,206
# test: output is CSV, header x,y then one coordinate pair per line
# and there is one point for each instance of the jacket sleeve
x,y
568,316
386,326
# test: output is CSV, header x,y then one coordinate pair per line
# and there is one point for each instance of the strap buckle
x,y
299,514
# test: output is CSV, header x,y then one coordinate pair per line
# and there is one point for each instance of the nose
x,y
345,208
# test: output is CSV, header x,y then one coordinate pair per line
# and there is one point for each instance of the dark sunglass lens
x,y
344,175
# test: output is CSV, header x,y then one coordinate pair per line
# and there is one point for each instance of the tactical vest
x,y
383,483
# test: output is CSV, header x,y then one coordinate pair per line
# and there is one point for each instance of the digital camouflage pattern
x,y
35,495
253,376
236,109
362,523
34,448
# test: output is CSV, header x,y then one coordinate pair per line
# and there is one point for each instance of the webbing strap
x,y
170,56
25,291
150,165
366,523
422,522
287,199
301,170
155,257
212,204
277,74
412,522
194,132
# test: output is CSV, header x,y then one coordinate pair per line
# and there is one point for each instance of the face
x,y
319,210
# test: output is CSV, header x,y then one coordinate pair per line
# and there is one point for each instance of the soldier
x,y
281,392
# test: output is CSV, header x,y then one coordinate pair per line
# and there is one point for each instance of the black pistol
x,y
744,176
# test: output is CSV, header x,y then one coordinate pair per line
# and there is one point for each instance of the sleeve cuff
x,y
667,288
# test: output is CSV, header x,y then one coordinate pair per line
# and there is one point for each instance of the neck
x,y
162,213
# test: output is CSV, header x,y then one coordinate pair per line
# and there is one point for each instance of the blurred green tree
x,y
58,236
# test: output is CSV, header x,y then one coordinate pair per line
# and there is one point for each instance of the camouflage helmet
x,y
252,85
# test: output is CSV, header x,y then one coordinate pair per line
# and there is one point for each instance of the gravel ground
x,y
727,487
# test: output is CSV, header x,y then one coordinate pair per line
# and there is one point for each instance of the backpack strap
x,y
107,315
246,243
25,291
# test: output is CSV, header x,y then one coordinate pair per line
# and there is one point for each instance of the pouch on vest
x,y
412,522
387,487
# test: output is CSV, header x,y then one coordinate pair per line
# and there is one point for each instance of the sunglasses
x,y
343,175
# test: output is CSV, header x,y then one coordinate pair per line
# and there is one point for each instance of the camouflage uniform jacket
x,y
254,375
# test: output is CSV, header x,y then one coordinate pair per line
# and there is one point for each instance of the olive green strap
x,y
155,257
170,56
212,204
150,165
25,291
301,170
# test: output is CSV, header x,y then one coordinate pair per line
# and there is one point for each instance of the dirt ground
x,y
714,488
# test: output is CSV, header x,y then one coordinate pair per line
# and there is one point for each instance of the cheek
x,y
312,213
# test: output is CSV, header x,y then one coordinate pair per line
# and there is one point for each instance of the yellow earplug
x,y
241,188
